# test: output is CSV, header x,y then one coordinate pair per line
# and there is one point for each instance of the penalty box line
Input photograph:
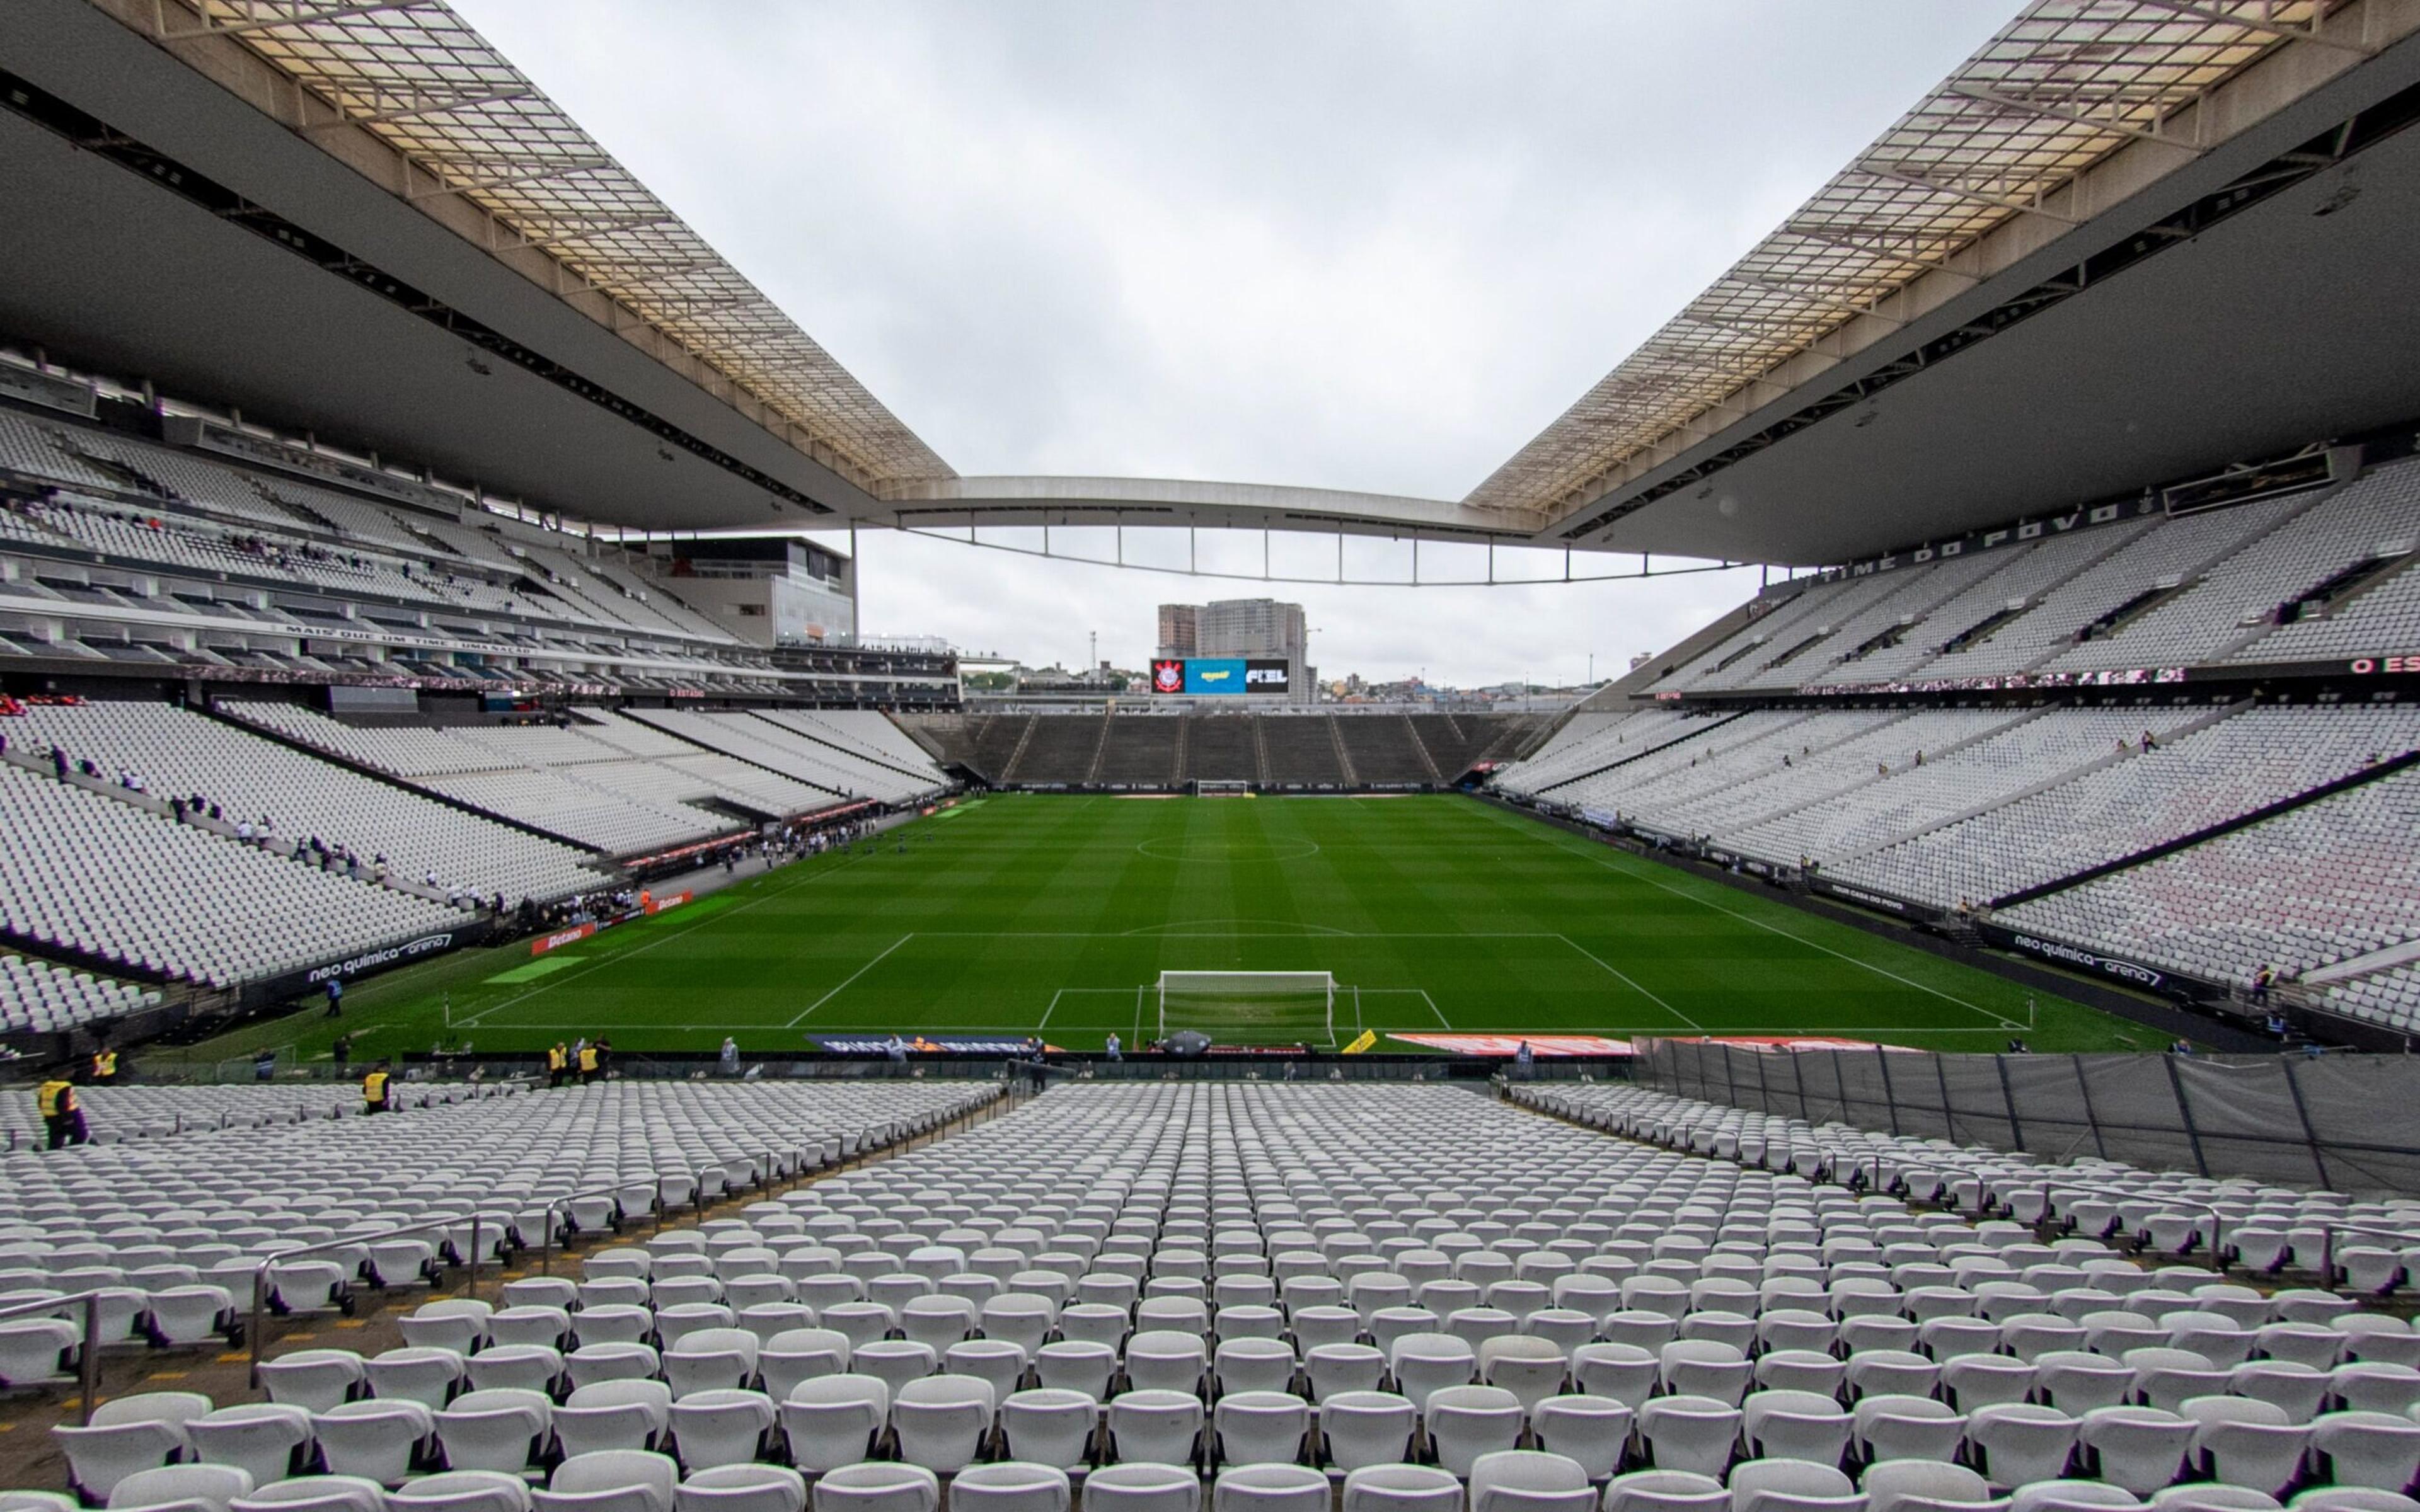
x,y
1562,840
1140,989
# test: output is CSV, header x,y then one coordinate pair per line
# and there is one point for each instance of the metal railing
x,y
89,1360
2328,1232
255,1327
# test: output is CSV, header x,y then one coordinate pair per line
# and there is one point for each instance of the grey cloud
x,y
1356,245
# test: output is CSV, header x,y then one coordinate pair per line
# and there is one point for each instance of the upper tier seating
x,y
2235,598
2159,592
200,560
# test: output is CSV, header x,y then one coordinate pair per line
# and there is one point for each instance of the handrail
x,y
88,1358
254,1330
545,1241
2328,1233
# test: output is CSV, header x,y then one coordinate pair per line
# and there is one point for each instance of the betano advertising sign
x,y
1220,676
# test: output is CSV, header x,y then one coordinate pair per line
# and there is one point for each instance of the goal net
x,y
1218,787
1251,1006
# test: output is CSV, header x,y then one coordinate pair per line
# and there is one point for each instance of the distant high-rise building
x,y
1180,629
1260,628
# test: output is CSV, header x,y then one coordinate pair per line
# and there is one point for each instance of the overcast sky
x,y
1371,246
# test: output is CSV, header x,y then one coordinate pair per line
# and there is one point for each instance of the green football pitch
x,y
1056,915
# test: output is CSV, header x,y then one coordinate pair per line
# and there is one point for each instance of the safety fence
x,y
2343,1121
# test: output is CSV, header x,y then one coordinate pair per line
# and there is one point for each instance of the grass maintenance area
x,y
1056,915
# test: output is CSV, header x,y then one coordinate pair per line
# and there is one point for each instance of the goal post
x,y
1220,787
1250,1007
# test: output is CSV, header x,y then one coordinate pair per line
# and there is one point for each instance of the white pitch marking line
x,y
852,977
1625,978
1774,929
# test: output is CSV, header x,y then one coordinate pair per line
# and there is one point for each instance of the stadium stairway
x,y
1057,750
1384,750
1343,755
1141,751
1300,752
998,743
1222,748
1100,750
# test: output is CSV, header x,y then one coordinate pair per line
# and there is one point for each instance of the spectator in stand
x,y
2262,980
59,762
2148,743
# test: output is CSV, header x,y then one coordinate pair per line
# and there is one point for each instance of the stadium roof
x,y
2060,87
2121,218
467,122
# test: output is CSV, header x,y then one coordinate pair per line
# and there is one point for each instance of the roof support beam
x,y
2058,113
534,173
307,16
1960,192
2229,16
435,105
1816,294
573,232
1874,241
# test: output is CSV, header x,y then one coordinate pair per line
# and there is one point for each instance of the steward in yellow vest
x,y
61,1113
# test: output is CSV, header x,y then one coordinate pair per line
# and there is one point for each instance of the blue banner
x,y
1213,674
